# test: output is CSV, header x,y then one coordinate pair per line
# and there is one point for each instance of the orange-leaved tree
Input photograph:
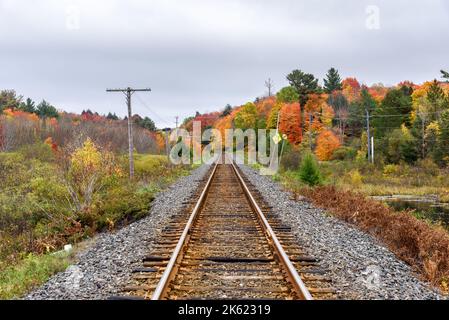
x,y
264,107
318,110
18,128
226,122
207,120
327,143
290,122
351,89
378,92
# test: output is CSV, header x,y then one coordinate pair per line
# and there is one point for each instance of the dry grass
x,y
423,246
386,189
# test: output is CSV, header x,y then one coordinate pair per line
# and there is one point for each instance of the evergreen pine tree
x,y
437,99
394,111
45,110
28,106
357,112
227,111
304,83
442,151
111,116
445,75
332,82
148,124
309,171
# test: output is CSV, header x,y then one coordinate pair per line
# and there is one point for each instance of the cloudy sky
x,y
201,55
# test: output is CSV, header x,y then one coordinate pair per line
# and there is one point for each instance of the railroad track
x,y
228,244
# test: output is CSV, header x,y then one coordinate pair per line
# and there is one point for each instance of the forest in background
x,y
409,121
409,124
326,158
65,177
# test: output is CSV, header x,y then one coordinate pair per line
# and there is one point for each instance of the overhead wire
x,y
142,102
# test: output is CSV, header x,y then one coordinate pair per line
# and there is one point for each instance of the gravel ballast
x,y
360,267
105,266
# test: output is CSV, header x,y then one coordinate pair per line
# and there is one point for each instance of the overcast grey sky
x,y
201,55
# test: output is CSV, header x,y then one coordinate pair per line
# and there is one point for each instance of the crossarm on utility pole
x,y
124,90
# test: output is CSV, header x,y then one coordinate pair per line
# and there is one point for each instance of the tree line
x,y
408,121
23,122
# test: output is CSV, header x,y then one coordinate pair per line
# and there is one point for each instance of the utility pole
x,y
310,130
277,134
423,132
167,143
269,85
368,134
177,119
128,93
278,120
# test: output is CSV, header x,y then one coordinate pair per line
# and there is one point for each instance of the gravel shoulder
x,y
360,267
105,265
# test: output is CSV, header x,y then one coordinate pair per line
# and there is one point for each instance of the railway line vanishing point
x,y
228,244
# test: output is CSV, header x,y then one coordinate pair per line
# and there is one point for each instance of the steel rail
x,y
169,271
295,278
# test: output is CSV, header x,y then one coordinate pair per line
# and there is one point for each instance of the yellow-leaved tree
x,y
89,170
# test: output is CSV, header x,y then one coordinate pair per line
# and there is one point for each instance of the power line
x,y
151,111
363,117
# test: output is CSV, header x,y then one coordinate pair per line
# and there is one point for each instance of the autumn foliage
x,y
351,89
265,106
207,120
327,143
18,114
272,120
226,122
319,111
378,92
424,247
19,128
290,122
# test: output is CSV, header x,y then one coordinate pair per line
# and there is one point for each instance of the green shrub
x,y
356,178
428,167
344,153
13,170
309,171
122,204
148,166
43,204
291,160
401,145
39,151
391,169
31,272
